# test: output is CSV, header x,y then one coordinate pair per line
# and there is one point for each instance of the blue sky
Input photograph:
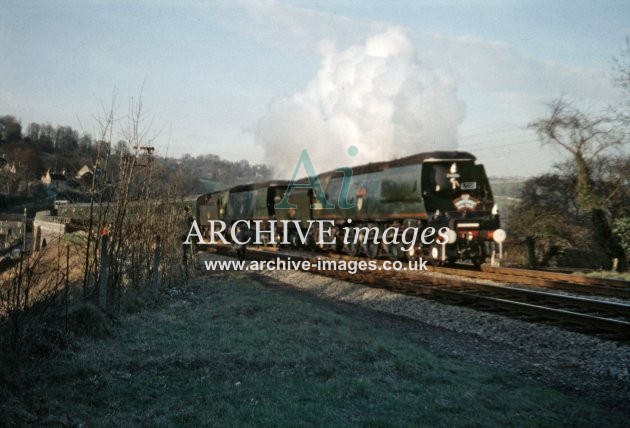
x,y
263,80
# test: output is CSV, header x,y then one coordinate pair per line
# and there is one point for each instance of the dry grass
x,y
230,351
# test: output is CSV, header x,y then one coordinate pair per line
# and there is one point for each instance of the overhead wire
x,y
485,146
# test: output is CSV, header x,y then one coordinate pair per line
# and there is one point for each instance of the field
x,y
506,194
230,350
209,186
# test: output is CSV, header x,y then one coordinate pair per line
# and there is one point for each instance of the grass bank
x,y
623,276
230,351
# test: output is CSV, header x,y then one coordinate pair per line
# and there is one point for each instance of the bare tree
x,y
585,137
143,214
98,207
621,68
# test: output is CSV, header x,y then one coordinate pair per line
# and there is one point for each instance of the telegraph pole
x,y
24,238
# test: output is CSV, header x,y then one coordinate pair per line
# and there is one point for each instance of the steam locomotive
x,y
445,191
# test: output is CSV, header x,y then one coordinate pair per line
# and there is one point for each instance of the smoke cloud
x,y
376,96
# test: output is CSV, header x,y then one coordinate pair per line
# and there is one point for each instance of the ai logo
x,y
315,185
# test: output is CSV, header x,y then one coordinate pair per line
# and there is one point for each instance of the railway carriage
x,y
210,206
254,202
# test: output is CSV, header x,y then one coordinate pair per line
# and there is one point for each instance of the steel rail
x,y
558,276
562,315
467,291
580,284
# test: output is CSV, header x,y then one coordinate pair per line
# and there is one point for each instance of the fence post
x,y
155,280
104,274
38,238
66,287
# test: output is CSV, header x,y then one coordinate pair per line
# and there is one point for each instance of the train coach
x,y
254,201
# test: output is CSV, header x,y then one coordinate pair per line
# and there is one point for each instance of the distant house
x,y
10,231
46,179
84,172
8,167
55,181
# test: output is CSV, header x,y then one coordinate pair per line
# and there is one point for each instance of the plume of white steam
x,y
376,96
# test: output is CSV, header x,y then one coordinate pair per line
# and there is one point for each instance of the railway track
x,y
604,318
551,280
539,279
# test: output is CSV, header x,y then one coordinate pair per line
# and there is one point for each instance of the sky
x,y
265,80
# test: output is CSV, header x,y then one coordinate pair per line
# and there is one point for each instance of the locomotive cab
x,y
457,195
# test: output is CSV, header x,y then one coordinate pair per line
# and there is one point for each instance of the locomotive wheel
x,y
294,240
311,245
373,250
478,257
354,248
394,251
355,245
477,261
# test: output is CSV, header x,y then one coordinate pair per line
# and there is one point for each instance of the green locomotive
x,y
426,192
